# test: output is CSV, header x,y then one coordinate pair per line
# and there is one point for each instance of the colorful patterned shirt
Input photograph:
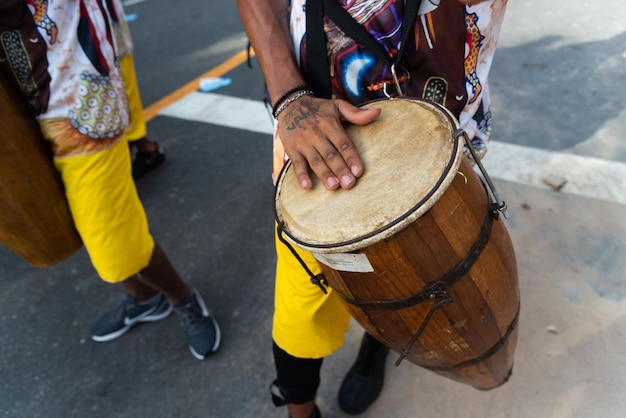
x,y
448,62
63,56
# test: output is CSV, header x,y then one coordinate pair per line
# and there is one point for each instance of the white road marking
x,y
585,176
218,109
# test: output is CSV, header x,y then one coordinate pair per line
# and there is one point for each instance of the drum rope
x,y
444,299
501,205
318,280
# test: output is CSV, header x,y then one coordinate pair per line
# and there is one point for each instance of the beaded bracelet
x,y
291,100
286,95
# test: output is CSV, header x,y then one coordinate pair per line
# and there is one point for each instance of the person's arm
x,y
267,25
310,128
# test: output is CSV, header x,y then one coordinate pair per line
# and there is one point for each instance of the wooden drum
x,y
416,249
35,221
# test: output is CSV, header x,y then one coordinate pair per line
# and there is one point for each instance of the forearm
x,y
267,24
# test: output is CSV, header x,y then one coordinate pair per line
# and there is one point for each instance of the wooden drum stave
x,y
35,222
416,249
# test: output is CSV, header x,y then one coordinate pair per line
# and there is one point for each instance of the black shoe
x,y
144,161
364,380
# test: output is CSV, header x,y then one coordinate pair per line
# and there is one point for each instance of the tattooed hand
x,y
305,114
313,135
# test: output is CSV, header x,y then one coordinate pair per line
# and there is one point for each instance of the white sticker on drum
x,y
356,263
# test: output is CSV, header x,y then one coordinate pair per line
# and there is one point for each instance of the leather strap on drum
x,y
436,289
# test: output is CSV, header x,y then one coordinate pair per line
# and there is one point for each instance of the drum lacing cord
x,y
318,280
443,299
498,203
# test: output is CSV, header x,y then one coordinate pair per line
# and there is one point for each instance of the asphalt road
x,y
558,85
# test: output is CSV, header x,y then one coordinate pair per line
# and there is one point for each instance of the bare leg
x,y
138,289
303,410
158,276
144,145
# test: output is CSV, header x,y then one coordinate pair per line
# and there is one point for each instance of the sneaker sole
x,y
113,335
122,331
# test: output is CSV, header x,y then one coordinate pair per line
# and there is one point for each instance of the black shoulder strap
x,y
318,72
410,14
351,27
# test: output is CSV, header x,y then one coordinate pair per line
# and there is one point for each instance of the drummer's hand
x,y
311,131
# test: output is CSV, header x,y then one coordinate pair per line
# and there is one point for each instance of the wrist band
x,y
291,100
286,95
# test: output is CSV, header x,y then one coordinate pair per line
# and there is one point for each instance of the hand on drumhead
x,y
312,133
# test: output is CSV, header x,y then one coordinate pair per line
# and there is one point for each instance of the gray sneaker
x,y
116,322
203,333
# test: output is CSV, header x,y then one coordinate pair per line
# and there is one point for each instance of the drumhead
x,y
411,156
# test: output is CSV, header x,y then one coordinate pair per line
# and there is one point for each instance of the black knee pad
x,y
297,379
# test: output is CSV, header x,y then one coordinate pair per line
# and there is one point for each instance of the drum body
x,y
418,255
35,221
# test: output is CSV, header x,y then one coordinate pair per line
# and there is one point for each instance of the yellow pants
x,y
107,211
137,124
307,322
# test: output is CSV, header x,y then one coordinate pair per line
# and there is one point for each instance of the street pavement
x,y
559,90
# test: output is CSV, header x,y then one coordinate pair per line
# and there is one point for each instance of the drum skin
x,y
35,222
443,290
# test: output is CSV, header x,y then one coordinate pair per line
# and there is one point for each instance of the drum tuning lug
x,y
396,82
505,211
437,294
500,207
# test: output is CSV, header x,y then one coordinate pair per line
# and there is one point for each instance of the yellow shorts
x,y
307,322
137,126
107,211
